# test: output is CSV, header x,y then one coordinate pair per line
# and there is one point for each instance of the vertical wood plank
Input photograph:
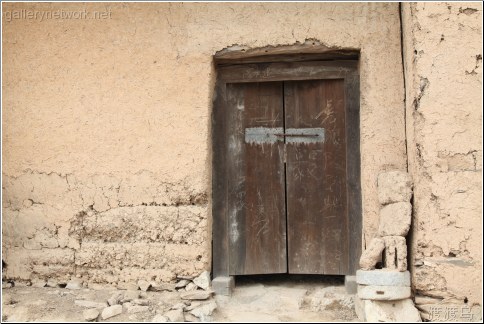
x,y
220,244
256,205
235,176
316,179
352,89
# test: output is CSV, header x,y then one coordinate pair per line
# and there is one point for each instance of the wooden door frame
x,y
284,71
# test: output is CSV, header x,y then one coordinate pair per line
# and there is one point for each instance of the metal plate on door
x,y
262,135
270,135
305,135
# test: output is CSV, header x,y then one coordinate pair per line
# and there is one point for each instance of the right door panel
x,y
317,215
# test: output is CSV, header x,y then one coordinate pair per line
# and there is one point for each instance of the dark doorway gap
x,y
288,279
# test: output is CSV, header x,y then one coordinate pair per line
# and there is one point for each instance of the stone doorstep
x,y
383,292
383,277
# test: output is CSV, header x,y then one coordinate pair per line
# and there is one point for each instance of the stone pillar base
x,y
375,311
223,285
350,285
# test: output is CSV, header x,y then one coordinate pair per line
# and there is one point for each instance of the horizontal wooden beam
x,y
308,51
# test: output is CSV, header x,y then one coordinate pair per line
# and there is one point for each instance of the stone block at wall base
x,y
360,309
395,253
395,219
223,285
383,277
383,292
390,311
350,285
372,254
394,186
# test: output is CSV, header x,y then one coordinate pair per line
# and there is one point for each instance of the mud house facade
x,y
110,168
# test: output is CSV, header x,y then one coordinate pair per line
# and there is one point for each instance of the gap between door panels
x,y
285,174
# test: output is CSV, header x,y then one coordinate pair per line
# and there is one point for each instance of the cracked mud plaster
x,y
112,115
443,69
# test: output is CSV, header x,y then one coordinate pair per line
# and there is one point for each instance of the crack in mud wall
x,y
443,70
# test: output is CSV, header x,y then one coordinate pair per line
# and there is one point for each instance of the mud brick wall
x,y
106,127
443,69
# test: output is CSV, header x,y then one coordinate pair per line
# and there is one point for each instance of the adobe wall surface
x,y
443,69
106,127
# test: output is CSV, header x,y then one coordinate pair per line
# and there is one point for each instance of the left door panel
x,y
256,180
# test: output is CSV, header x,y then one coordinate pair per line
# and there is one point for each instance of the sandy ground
x,y
282,299
254,299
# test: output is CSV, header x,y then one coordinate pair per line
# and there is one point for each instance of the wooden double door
x,y
286,178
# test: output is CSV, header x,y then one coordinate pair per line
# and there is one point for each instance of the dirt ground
x,y
255,299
